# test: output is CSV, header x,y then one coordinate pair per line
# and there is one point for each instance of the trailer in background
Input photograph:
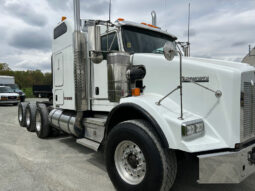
x,y
42,91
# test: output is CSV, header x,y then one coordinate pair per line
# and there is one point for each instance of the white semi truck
x,y
124,87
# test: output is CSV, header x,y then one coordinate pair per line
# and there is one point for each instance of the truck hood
x,y
194,60
8,94
220,114
163,75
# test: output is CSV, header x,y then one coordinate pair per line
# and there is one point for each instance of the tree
x,y
4,67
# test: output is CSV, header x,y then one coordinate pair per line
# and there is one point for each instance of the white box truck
x,y
10,82
5,80
124,87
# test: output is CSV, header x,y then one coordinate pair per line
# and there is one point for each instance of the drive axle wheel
x,y
42,127
135,159
30,116
21,114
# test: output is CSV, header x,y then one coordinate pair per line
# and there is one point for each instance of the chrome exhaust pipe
x,y
154,18
80,69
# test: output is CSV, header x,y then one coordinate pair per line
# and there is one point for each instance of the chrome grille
x,y
248,103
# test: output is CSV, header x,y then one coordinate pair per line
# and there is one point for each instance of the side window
x,y
60,30
112,40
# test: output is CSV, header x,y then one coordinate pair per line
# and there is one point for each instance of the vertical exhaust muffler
x,y
80,69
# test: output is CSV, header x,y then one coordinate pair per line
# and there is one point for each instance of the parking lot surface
x,y
59,164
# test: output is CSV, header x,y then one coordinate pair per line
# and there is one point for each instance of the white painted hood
x,y
221,115
9,94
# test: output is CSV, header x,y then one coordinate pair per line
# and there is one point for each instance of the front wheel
x,y
135,159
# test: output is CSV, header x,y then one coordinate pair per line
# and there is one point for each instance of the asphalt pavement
x,y
59,164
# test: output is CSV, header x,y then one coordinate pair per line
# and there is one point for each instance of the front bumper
x,y
227,167
9,102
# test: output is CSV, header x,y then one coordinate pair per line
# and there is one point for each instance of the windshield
x,y
6,90
137,40
14,86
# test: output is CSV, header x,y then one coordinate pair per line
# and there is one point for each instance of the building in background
x,y
250,57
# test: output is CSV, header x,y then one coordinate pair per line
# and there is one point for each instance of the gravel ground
x,y
58,163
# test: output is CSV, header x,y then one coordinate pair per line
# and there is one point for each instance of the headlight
x,y
193,128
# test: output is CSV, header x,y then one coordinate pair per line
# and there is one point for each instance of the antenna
x,y
189,31
107,27
110,7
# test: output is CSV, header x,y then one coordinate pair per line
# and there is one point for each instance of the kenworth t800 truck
x,y
125,87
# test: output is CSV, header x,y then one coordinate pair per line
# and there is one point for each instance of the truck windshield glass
x,y
137,40
5,90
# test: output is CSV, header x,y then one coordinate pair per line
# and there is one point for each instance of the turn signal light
x,y
121,19
4,98
136,92
149,25
63,18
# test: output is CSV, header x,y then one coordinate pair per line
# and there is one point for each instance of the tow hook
x,y
251,155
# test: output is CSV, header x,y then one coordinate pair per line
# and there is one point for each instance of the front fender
x,y
167,117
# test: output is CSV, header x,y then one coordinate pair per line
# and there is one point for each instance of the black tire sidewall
x,y
154,165
22,106
44,131
31,108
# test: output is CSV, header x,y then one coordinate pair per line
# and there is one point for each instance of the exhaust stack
x,y
80,68
154,18
77,16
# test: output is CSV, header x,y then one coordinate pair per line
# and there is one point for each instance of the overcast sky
x,y
220,29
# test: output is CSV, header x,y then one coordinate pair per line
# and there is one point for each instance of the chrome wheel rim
x,y
28,119
130,162
38,122
20,114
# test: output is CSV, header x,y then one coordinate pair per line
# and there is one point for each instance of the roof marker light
x,y
121,19
63,18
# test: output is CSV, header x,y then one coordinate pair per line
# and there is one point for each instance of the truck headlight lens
x,y
192,128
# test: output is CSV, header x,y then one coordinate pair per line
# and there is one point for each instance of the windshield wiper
x,y
158,51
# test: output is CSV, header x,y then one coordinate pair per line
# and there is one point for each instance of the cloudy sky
x,y
220,29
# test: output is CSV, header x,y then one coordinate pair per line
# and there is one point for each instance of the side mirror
x,y
96,57
169,51
97,38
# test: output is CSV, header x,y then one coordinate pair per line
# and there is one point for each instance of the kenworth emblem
x,y
196,79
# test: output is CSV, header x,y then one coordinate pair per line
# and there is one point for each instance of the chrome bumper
x,y
227,167
9,102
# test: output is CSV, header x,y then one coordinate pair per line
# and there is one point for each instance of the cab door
x,y
58,69
100,76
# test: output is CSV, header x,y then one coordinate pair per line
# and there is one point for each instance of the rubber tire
x,y
15,104
45,127
21,108
31,108
161,163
